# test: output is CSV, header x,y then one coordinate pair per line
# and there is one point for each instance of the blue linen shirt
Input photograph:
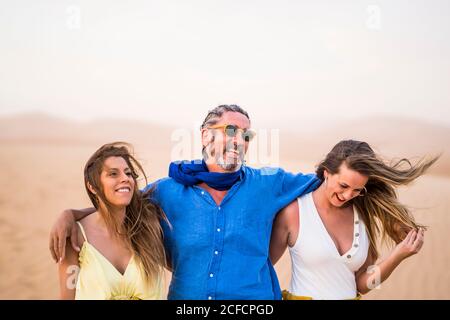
x,y
222,251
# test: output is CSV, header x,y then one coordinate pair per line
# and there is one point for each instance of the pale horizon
x,y
171,62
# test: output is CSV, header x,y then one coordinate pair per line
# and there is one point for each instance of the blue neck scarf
x,y
194,172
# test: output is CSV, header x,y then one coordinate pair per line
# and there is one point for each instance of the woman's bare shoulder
x,y
86,223
288,216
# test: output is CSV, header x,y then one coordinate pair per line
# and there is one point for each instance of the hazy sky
x,y
171,61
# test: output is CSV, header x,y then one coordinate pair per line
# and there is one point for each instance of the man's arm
x,y
301,183
288,186
62,229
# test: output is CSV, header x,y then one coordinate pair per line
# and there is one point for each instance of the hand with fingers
x,y
411,245
63,228
401,230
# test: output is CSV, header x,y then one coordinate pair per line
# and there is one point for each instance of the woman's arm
x,y
370,276
285,227
68,270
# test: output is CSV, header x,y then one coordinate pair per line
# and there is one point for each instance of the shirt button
x,y
356,245
203,192
211,275
216,252
209,298
356,235
218,229
349,256
356,222
219,208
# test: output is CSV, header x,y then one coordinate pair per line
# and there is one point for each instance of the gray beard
x,y
233,166
229,166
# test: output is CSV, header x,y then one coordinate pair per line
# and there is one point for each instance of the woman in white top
x,y
332,233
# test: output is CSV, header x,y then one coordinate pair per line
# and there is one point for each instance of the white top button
x,y
216,252
203,192
218,229
220,208
211,275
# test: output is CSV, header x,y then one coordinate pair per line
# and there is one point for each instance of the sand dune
x,y
41,161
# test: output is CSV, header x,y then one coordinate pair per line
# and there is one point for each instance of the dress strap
x,y
82,230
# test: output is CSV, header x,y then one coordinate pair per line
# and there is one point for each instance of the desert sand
x,y
41,163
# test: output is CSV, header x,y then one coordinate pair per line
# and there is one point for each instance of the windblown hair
x,y
381,211
141,230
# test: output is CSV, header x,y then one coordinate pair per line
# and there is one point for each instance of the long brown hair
x,y
141,228
381,211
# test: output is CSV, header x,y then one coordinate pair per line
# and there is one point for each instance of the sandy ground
x,y
44,176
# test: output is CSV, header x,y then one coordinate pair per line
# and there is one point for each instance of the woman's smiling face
x,y
117,181
343,186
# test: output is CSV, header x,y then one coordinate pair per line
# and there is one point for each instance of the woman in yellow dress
x,y
122,254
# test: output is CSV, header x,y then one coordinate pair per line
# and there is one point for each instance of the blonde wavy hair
x,y
384,216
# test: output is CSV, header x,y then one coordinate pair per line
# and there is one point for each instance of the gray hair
x,y
213,115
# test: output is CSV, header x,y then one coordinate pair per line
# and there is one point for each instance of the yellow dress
x,y
98,279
